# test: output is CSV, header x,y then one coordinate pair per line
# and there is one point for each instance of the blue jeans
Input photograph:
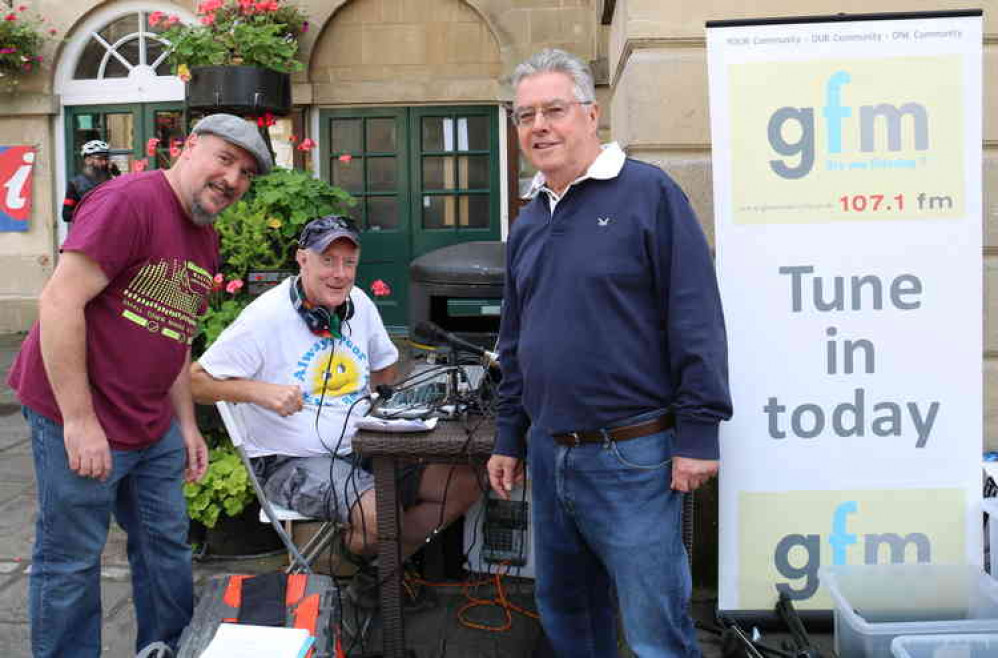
x,y
606,522
144,493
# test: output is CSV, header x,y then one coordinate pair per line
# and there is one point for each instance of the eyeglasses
x,y
552,112
325,224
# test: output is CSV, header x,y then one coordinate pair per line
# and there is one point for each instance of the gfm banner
x,y
16,165
847,195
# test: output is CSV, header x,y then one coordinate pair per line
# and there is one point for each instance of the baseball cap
x,y
239,132
320,233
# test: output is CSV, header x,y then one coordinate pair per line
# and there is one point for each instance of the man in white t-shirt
x,y
305,355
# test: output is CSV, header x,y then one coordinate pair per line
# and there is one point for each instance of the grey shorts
x,y
302,484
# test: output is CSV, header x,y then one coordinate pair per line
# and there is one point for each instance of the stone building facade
x,y
649,57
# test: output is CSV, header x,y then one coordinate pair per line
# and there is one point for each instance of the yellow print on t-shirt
x,y
167,297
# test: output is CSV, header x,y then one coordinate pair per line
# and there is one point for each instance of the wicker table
x,y
451,442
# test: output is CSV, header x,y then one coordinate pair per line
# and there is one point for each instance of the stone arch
x,y
372,51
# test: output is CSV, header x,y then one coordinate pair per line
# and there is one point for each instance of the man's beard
x,y
99,175
200,216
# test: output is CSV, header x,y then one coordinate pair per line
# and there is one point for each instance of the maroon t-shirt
x,y
160,267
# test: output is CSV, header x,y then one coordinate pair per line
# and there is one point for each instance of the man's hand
x,y
689,474
86,448
504,472
280,398
197,456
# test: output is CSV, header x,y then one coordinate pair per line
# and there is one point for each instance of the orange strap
x,y
234,595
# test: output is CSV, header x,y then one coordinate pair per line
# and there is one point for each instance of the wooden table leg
x,y
389,558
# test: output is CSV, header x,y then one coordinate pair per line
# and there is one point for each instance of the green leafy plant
x,y
262,33
22,37
225,487
258,232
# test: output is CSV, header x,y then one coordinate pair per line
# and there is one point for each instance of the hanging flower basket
x,y
239,90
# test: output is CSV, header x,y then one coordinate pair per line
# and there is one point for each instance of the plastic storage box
x,y
876,603
945,646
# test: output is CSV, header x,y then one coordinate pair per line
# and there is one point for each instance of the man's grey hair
x,y
553,60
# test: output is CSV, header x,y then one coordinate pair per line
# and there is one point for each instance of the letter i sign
x,y
16,166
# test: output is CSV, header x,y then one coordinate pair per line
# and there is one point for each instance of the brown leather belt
x,y
653,426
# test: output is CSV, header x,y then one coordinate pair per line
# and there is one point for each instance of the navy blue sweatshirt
x,y
611,309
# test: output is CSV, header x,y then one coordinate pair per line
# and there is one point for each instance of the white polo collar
x,y
607,165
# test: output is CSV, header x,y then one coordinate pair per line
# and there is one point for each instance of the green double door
x,y
424,178
127,129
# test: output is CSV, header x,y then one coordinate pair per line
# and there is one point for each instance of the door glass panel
x,y
439,211
381,174
475,211
381,135
168,127
382,213
87,128
437,134
346,136
120,131
349,174
478,132
438,173
474,171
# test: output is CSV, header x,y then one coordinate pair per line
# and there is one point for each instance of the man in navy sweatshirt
x,y
614,361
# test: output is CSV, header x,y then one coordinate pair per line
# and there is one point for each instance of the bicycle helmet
x,y
95,147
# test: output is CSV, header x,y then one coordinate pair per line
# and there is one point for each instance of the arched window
x,y
121,46
115,56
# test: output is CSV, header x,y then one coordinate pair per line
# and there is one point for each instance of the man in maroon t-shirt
x,y
103,378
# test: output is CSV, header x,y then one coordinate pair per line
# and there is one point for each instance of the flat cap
x,y
240,132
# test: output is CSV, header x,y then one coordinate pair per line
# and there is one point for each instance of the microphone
x,y
437,333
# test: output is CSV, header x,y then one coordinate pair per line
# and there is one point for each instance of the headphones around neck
x,y
319,319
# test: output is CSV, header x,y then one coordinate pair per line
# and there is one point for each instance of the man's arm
x,y
280,398
70,202
385,376
63,328
183,407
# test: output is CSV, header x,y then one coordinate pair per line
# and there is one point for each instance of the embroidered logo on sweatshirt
x,y
602,221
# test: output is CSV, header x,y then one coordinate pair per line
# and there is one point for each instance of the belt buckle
x,y
578,441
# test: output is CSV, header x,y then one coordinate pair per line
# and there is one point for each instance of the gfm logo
x,y
841,124
840,539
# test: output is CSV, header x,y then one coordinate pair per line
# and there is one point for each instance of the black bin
x,y
459,288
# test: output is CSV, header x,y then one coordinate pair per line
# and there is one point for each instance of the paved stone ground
x,y
432,633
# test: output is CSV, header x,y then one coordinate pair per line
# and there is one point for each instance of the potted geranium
x,y
22,36
238,56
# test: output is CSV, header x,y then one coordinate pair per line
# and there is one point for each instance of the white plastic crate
x,y
945,646
876,603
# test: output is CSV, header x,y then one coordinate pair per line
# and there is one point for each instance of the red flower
x,y
233,286
307,144
10,17
217,281
53,31
23,8
380,288
151,146
175,148
156,18
208,19
293,139
170,21
346,157
266,120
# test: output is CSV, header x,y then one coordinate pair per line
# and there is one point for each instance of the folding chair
x,y
299,560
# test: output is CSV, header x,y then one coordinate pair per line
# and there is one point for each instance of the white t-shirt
x,y
270,342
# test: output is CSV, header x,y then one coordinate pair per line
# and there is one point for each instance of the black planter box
x,y
239,90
